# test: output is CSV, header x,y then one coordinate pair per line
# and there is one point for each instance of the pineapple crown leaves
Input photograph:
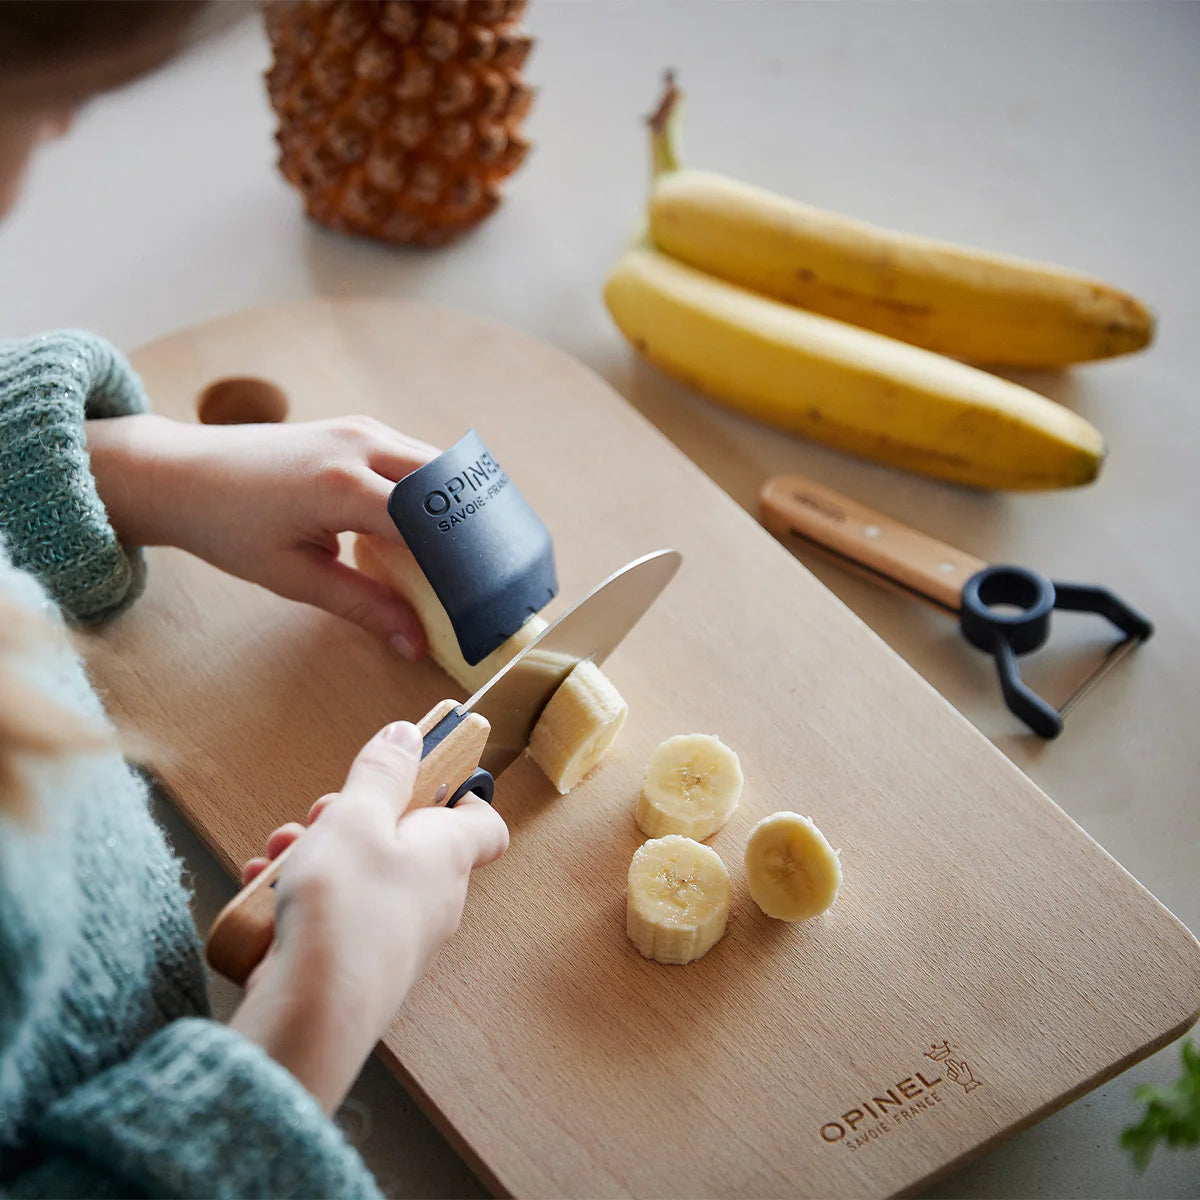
x,y
1172,1113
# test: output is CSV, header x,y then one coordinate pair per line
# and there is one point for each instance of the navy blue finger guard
x,y
485,551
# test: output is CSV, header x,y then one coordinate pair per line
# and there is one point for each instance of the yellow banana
x,y
970,304
850,388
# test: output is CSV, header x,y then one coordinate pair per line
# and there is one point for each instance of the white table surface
x,y
1065,132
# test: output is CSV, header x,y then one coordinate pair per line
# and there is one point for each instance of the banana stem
x,y
666,130
666,148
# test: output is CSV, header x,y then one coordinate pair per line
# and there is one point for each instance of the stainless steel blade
x,y
513,699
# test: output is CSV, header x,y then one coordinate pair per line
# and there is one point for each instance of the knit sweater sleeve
x,y
50,514
198,1111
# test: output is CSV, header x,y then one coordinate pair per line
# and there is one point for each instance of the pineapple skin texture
x,y
399,119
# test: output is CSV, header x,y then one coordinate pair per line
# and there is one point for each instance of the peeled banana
x,y
792,871
677,899
850,388
577,726
692,786
581,720
959,301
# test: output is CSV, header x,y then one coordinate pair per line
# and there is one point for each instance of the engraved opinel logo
x,y
957,1070
465,493
894,1106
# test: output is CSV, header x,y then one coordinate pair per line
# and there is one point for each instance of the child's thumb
x,y
382,776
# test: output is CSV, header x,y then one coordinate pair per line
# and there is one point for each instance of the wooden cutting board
x,y
986,962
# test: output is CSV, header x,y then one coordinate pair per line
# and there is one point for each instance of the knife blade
x,y
466,744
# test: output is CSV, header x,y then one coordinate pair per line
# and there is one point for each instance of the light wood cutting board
x,y
986,962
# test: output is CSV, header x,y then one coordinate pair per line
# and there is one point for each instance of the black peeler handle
x,y
1005,635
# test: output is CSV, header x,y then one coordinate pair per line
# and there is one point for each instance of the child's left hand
x,y
266,503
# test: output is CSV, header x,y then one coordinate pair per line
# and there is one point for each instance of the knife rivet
x,y
442,793
872,531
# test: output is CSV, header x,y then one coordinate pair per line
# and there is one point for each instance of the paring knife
x,y
467,744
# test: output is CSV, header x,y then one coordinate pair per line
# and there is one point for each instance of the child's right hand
x,y
363,904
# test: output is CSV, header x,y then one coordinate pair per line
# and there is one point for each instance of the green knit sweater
x,y
114,1081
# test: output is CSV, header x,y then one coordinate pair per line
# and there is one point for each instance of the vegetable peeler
x,y
794,507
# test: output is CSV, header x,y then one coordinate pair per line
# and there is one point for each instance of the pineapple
x,y
398,119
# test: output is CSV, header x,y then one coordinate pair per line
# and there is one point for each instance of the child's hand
x,y
364,903
266,503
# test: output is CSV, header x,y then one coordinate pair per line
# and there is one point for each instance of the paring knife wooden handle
x,y
245,927
792,506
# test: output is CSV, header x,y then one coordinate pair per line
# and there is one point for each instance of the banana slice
x,y
395,566
577,726
792,871
676,900
692,786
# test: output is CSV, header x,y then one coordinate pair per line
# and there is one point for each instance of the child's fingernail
x,y
403,647
404,735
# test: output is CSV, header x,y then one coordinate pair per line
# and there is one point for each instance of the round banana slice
x,y
676,900
577,726
792,871
692,786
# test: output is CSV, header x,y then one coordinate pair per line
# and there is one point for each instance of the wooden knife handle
x,y
793,507
245,927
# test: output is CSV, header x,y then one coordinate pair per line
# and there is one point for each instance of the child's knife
x,y
467,744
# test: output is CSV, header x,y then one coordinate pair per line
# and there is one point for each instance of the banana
x,y
847,387
578,726
692,786
581,720
676,899
968,303
395,566
792,871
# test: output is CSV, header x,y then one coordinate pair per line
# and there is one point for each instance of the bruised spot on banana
x,y
581,720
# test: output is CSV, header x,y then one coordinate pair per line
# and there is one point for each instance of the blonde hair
x,y
32,726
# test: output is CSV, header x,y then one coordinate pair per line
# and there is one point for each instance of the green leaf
x,y
1172,1113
